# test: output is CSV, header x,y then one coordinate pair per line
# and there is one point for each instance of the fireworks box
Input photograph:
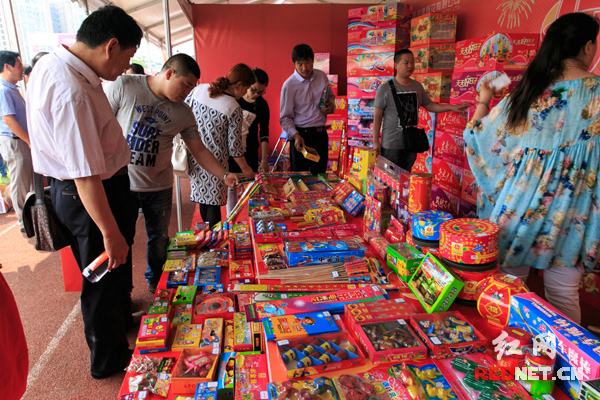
x,y
333,302
239,270
433,58
433,28
574,345
251,376
449,148
466,85
365,87
183,385
374,311
313,252
451,122
437,85
386,341
363,160
225,377
341,107
377,64
206,391
500,51
366,17
335,127
311,356
333,82
175,252
448,334
354,203
242,333
447,176
403,259
361,108
298,325
469,187
467,209
434,285
378,40
444,201
322,62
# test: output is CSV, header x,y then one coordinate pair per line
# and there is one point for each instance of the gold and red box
x,y
449,148
445,350
447,176
380,310
466,85
434,58
333,82
386,40
500,51
437,85
451,122
494,297
433,28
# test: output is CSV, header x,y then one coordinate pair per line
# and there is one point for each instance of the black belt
x,y
313,129
120,172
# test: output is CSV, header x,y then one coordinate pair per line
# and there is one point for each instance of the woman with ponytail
x,y
536,158
219,118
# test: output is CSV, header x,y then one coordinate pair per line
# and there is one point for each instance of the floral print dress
x,y
539,181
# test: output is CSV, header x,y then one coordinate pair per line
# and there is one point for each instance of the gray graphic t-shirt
x,y
411,97
149,124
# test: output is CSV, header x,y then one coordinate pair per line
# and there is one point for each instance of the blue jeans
x,y
2,167
157,212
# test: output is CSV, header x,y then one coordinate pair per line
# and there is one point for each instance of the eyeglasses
x,y
258,92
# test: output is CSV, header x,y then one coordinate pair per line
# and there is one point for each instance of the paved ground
x,y
58,354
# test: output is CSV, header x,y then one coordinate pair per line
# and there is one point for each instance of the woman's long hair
x,y
564,40
239,73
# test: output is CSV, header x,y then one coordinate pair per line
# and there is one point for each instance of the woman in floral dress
x,y
536,158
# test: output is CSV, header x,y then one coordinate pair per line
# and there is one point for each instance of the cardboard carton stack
x,y
374,34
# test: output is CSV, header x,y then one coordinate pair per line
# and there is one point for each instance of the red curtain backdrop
x,y
263,35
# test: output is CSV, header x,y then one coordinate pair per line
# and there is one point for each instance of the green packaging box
x,y
175,252
403,259
434,285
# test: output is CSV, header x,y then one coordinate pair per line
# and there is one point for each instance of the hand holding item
x,y
231,179
248,173
298,142
329,107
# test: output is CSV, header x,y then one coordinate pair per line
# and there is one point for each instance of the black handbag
x,y
40,219
415,139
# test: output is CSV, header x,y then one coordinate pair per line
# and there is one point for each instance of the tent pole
x,y
169,54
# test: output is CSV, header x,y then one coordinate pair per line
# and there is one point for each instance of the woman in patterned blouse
x,y
219,119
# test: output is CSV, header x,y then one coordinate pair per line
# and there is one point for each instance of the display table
x,y
277,374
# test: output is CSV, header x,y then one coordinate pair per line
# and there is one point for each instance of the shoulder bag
x,y
415,139
40,219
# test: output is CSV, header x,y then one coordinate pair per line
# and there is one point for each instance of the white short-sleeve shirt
x,y
73,131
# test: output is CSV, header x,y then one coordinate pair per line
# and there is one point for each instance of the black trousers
x,y
402,158
210,214
105,305
317,139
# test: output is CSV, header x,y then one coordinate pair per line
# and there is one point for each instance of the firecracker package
x,y
316,354
251,377
434,285
433,28
448,334
296,390
194,366
403,259
298,325
393,340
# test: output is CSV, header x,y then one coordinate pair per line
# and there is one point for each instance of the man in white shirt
x,y
79,143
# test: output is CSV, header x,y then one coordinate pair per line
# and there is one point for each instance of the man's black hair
x,y
183,65
137,69
106,23
302,52
8,57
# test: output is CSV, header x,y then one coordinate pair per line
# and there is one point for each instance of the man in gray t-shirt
x,y
151,111
411,96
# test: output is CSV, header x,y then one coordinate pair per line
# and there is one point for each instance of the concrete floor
x,y
58,355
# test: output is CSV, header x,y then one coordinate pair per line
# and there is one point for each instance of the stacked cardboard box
x,y
374,34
